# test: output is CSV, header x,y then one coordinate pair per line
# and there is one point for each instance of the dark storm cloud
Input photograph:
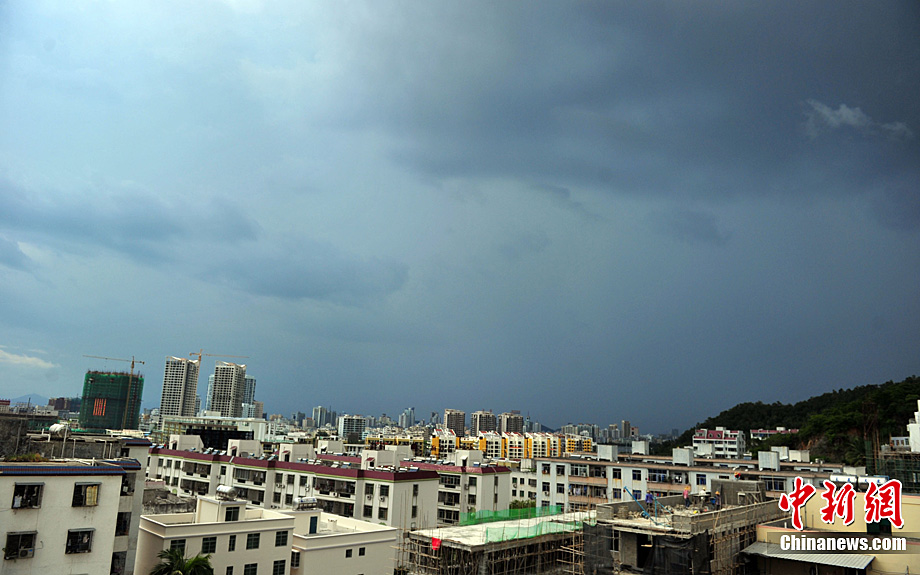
x,y
303,269
669,99
120,217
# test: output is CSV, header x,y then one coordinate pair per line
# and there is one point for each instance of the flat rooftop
x,y
483,533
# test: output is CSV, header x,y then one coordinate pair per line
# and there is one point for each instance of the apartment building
x,y
719,443
582,482
387,486
70,515
510,445
374,488
247,540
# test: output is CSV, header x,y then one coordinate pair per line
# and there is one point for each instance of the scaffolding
x,y
535,545
111,400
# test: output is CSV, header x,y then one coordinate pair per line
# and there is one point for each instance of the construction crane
x,y
201,353
124,418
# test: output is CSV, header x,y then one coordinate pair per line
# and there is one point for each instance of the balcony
x,y
587,480
587,499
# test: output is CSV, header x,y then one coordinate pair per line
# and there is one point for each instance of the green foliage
x,y
522,504
833,426
174,562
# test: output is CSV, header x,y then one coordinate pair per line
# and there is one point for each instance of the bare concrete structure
x,y
669,538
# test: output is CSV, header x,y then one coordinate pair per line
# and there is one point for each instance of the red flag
x,y
435,543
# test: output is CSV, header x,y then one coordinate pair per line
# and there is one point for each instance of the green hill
x,y
834,426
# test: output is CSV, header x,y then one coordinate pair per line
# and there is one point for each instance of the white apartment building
x,y
72,516
180,387
719,443
245,540
376,488
228,388
582,482
482,422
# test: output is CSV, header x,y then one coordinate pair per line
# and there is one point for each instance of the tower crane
x,y
201,353
124,417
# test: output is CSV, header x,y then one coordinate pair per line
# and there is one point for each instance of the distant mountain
x,y
833,426
34,398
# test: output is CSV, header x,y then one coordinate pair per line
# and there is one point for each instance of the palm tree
x,y
173,562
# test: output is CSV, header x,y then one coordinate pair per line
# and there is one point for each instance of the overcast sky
x,y
584,211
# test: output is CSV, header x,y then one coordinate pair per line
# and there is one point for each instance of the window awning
x,y
774,551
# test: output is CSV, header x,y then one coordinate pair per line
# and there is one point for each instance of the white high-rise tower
x,y
180,387
228,389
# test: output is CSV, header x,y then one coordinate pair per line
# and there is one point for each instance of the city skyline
x,y
582,211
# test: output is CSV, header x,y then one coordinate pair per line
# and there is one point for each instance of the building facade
x,y
73,515
180,387
455,420
227,389
111,400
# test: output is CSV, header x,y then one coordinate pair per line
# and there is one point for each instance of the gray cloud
x,y
301,269
11,256
690,226
821,117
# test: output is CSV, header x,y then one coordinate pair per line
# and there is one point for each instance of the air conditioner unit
x,y
23,553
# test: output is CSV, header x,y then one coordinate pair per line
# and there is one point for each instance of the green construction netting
x,y
486,516
508,532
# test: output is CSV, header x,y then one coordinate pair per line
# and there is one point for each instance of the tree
x,y
173,562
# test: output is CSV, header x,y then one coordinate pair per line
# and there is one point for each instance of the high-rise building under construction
x,y
180,387
111,400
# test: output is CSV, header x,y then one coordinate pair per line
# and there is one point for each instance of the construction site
x,y
670,537
535,543
664,537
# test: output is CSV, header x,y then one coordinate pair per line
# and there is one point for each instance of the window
x,y
208,545
122,523
637,475
251,569
295,559
616,474
27,496
471,500
279,567
701,479
384,490
252,541
281,538
775,483
617,493
545,468
472,482
414,511
232,514
560,488
348,554
415,488
177,544
230,570
560,470
79,541
361,551
232,545
85,495
368,510
369,489
382,513
19,545
127,484
546,486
